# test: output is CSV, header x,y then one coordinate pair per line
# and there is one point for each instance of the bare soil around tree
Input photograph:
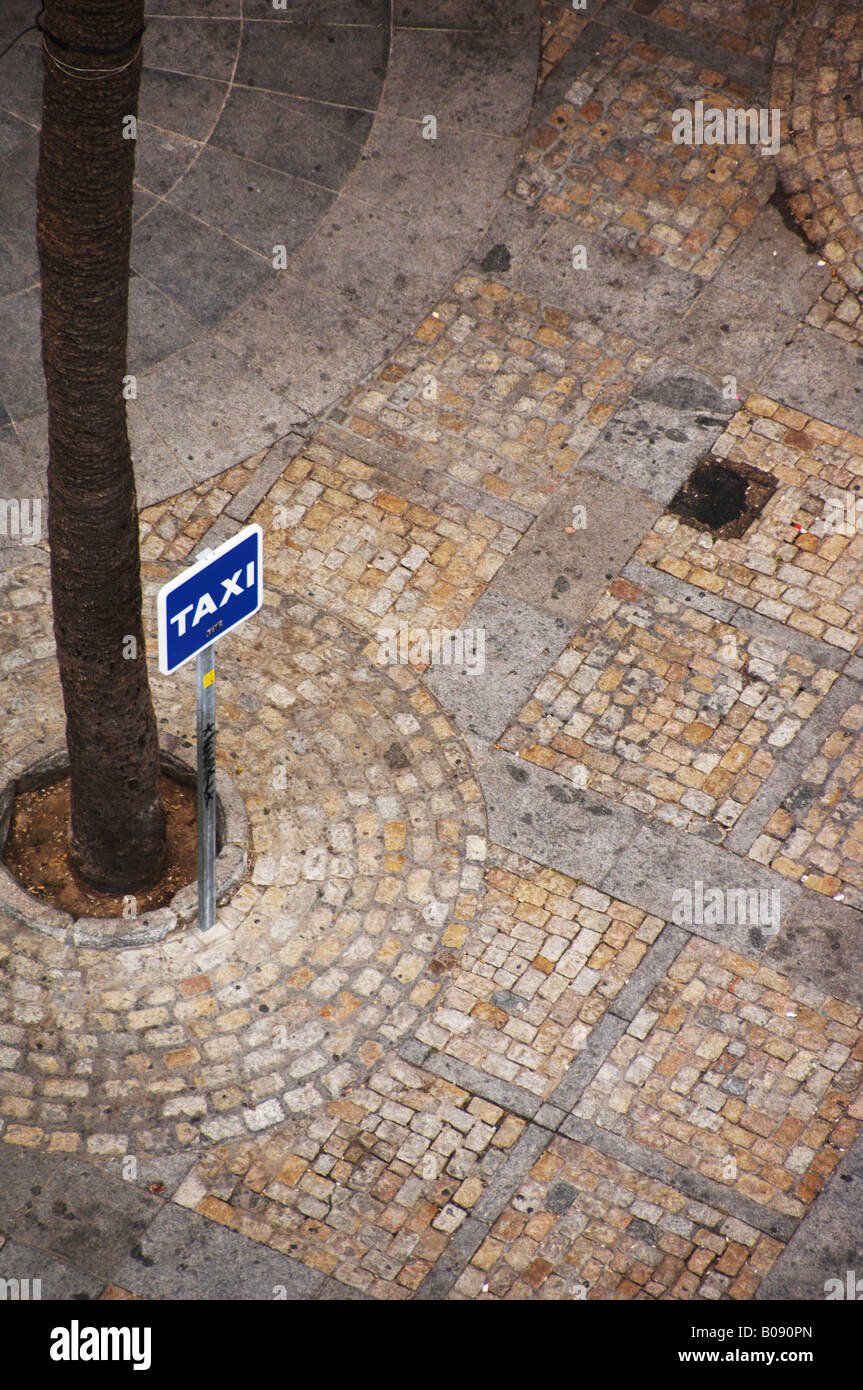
x,y
36,852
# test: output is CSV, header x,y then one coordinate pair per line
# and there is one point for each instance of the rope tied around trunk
x,y
94,73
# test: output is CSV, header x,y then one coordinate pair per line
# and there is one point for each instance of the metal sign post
x,y
205,708
202,605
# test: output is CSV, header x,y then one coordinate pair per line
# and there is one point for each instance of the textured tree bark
x,y
84,198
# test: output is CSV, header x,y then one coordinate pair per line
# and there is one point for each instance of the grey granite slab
x,y
827,1246
201,269
35,1276
398,167
618,290
21,92
325,62
374,12
821,942
542,816
204,47
181,103
662,862
820,375
475,80
381,260
324,345
23,1174
520,643
514,232
732,334
157,326
13,131
671,419
257,206
771,263
22,384
86,1217
564,574
162,157
13,276
454,14
184,1256
211,409
309,139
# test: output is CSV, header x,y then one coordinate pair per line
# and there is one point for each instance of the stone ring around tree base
x,y
35,768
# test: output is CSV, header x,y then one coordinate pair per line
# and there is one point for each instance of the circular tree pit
x,y
39,887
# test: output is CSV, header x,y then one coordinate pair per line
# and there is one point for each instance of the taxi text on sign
x,y
205,602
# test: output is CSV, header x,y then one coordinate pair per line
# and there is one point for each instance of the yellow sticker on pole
x,y
209,677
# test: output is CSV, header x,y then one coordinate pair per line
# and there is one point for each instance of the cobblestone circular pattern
x,y
367,842
816,85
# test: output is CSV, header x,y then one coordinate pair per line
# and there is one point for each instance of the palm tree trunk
x,y
84,196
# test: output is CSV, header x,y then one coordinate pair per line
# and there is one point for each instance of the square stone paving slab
x,y
398,166
732,335
22,384
157,326
18,219
56,1280
475,80
771,263
325,62
369,255
309,139
161,157
310,344
564,574
678,875
211,409
206,47
178,102
23,1175
821,942
256,206
197,266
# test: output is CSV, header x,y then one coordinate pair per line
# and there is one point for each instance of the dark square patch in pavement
x,y
722,497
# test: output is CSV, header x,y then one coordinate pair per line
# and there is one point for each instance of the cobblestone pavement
x,y
545,978
816,84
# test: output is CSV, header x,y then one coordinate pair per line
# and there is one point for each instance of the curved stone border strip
x,y
816,86
26,771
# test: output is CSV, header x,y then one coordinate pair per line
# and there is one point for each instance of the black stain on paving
x,y
563,795
518,774
561,1197
506,1000
683,393
396,758
498,259
723,497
